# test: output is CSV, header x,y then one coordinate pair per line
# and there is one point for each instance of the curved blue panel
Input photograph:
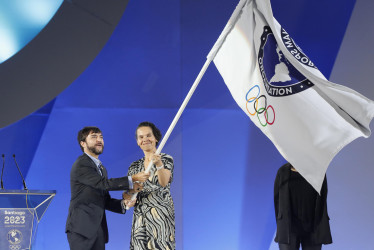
x,y
21,21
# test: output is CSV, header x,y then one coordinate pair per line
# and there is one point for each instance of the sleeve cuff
x,y
131,185
123,205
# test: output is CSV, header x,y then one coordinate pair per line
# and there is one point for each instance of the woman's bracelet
x,y
160,167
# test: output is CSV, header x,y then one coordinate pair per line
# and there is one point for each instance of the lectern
x,y
20,213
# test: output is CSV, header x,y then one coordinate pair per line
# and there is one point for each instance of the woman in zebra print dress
x,y
153,225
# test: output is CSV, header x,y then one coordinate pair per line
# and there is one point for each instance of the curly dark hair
x,y
84,132
156,132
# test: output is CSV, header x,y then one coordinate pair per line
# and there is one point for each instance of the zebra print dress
x,y
153,223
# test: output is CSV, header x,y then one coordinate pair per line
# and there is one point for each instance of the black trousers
x,y
79,242
295,241
297,247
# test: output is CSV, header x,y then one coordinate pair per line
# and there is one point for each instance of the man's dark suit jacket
x,y
321,230
90,198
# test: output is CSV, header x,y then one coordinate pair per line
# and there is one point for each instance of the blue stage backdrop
x,y
224,166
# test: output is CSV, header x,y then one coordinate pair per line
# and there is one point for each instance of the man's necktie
x,y
101,169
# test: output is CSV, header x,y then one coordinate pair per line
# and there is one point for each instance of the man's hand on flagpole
x,y
129,203
130,196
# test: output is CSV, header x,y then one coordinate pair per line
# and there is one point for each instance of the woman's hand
x,y
156,159
163,174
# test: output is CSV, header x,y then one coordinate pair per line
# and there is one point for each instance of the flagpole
x,y
213,52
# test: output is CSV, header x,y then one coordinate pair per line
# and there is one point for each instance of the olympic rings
x,y
262,110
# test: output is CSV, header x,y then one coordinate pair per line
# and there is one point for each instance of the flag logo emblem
x,y
280,77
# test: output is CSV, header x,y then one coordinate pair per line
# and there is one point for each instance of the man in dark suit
x,y
300,212
86,225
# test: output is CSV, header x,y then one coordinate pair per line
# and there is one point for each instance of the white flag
x,y
308,118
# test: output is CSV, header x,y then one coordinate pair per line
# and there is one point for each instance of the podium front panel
x,y
20,213
16,228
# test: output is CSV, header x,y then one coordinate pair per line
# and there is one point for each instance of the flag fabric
x,y
308,118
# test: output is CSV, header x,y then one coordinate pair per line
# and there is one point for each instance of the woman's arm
x,y
163,170
163,176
